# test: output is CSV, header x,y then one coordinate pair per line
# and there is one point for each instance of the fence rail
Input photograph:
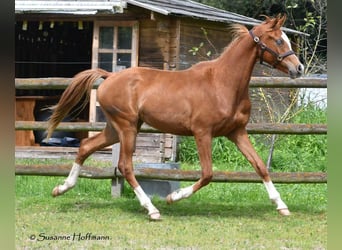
x,y
252,128
255,82
171,174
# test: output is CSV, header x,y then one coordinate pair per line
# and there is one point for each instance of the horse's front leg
x,y
203,142
240,138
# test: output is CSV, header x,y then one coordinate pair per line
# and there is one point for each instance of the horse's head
x,y
274,46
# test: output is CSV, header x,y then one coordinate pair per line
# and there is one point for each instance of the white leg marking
x,y
274,195
153,212
71,180
181,193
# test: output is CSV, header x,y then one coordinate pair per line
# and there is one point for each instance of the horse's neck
x,y
236,64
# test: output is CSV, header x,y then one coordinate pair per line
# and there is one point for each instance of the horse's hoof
x,y
155,216
55,192
284,212
169,199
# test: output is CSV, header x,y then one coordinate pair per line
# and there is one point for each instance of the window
x,y
115,45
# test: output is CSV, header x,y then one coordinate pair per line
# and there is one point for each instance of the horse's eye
x,y
279,42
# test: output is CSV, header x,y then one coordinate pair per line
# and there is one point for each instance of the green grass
x,y
220,216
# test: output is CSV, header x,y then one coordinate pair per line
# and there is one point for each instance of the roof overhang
x,y
187,8
69,7
201,11
182,8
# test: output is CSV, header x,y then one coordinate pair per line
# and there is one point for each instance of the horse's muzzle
x,y
297,71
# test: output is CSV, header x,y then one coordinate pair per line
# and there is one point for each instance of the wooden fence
x,y
171,174
174,174
256,82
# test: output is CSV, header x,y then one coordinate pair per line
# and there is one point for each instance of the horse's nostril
x,y
300,68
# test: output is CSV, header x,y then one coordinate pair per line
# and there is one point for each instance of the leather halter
x,y
263,47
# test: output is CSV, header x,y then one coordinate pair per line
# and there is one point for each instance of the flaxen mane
x,y
237,31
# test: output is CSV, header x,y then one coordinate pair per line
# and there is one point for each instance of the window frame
x,y
115,51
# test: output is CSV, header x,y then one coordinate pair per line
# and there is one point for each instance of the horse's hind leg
x,y
88,146
240,138
127,134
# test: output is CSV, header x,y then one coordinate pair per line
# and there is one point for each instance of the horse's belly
x,y
169,127
172,123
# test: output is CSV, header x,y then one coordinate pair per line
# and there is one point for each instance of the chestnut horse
x,y
207,100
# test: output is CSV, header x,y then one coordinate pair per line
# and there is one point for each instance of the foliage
x,y
201,52
251,8
313,21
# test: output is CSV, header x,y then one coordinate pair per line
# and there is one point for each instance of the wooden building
x,y
62,38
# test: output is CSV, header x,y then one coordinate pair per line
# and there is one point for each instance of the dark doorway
x,y
52,48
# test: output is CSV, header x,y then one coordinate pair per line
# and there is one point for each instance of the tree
x,y
312,19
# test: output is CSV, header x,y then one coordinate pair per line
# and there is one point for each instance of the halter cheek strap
x,y
263,48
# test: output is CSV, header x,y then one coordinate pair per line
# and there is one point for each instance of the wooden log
x,y
286,128
226,176
252,128
63,126
285,82
46,83
171,174
63,170
256,82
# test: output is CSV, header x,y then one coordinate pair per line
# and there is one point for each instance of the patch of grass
x,y
220,216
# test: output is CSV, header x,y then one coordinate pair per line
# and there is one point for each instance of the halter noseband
x,y
263,47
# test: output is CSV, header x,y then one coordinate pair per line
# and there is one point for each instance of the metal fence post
x,y
117,182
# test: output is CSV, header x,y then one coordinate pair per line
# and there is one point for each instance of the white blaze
x,y
286,39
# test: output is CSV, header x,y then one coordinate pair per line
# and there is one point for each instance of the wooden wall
x,y
158,42
155,147
192,33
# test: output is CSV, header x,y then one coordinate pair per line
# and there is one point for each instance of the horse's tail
x,y
79,87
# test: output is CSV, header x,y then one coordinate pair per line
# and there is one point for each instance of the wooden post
x,y
117,182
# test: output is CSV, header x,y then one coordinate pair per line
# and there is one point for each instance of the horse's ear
x,y
280,21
